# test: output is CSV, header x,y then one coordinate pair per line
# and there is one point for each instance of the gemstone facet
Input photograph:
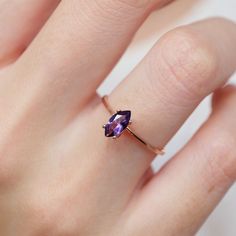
x,y
117,123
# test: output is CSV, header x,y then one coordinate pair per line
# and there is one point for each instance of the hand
x,y
59,174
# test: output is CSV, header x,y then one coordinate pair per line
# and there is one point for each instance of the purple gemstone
x,y
117,123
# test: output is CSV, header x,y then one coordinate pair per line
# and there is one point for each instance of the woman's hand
x,y
59,174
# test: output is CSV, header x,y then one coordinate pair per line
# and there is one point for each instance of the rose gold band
x,y
129,130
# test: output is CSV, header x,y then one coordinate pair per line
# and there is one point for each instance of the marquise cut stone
x,y
117,123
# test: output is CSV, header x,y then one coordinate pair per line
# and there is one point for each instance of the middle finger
x,y
78,47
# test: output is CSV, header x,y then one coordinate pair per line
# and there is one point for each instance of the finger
x,y
186,65
80,45
191,185
19,23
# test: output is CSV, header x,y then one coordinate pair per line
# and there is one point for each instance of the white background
x,y
222,222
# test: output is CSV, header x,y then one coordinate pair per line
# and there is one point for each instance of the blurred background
x,y
222,222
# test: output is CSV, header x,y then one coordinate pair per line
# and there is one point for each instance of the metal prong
x,y
130,122
104,126
115,137
118,111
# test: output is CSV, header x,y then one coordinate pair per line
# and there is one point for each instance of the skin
x,y
59,175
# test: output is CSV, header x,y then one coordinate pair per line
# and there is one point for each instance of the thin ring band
x,y
156,150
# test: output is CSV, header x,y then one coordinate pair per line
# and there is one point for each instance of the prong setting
x,y
120,122
117,136
117,123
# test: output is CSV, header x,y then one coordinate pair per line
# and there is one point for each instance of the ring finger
x,y
184,67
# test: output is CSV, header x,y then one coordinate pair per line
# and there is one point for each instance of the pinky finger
x,y
188,188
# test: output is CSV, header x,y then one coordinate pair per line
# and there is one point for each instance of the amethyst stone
x,y
117,123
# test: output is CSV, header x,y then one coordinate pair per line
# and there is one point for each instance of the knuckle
x,y
191,61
